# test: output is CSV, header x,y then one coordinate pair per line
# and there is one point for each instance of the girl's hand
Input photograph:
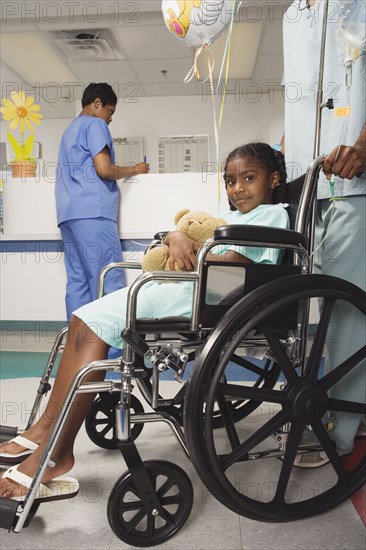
x,y
182,251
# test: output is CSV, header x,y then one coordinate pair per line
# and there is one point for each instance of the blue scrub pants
x,y
89,245
343,255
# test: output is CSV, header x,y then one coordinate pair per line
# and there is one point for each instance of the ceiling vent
x,y
88,46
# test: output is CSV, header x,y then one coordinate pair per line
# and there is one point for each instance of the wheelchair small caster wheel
x,y
101,419
128,517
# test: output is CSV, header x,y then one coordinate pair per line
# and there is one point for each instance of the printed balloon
x,y
198,22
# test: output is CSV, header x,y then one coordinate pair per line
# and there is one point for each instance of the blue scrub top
x,y
80,192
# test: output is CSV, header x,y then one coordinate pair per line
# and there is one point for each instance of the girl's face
x,y
248,184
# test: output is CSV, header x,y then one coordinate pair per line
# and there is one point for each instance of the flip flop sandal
x,y
15,458
59,488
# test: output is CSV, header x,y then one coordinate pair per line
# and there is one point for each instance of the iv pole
x,y
319,94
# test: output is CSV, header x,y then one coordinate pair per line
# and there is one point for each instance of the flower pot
x,y
23,169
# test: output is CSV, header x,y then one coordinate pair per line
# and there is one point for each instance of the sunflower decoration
x,y
21,111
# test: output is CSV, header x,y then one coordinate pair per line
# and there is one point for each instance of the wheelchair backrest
x,y
292,197
225,284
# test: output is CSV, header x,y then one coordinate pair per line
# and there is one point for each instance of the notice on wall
x,y
128,150
179,154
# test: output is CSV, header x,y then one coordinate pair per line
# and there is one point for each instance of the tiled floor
x,y
82,523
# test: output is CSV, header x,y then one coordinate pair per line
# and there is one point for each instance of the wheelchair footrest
x,y
8,513
8,432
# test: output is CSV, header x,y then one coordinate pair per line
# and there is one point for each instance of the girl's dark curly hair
x,y
269,158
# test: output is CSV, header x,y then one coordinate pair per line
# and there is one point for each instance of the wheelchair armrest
x,y
160,236
259,233
116,265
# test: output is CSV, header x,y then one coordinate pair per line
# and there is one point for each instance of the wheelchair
x,y
257,390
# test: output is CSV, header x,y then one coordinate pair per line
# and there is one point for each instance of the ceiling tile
x,y
150,71
171,89
154,42
104,71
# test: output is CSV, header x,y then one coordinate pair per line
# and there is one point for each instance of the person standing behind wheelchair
x,y
87,197
341,222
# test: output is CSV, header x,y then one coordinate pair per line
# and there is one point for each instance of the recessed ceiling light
x,y
33,59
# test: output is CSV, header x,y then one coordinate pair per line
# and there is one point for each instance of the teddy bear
x,y
197,225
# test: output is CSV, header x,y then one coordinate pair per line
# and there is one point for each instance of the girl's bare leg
x,y
83,346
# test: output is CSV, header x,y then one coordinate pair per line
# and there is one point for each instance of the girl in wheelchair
x,y
255,178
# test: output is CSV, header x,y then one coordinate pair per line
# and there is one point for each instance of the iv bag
x,y
351,30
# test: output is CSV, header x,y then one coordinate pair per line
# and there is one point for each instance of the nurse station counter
x,y
33,277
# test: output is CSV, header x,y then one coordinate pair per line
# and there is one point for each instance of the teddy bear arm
x,y
155,259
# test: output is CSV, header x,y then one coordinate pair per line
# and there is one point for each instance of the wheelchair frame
x,y
165,354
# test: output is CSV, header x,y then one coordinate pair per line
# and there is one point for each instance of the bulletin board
x,y
178,154
128,150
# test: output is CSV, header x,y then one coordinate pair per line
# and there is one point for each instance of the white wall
x,y
245,118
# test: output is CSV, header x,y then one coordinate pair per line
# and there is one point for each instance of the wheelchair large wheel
x,y
128,517
231,461
100,422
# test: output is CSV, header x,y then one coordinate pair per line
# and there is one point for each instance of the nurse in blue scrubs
x,y
87,197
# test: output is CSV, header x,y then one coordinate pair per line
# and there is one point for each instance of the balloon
x,y
197,22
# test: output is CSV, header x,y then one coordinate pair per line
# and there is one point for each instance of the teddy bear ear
x,y
180,214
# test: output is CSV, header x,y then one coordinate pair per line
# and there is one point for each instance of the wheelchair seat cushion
x,y
165,324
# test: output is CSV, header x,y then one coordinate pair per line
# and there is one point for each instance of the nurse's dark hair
x,y
100,90
269,158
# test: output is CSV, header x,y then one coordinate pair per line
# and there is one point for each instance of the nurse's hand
x,y
142,168
345,161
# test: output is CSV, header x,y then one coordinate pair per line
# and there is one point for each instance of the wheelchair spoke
x,y
315,357
263,372
258,437
329,448
292,446
167,485
106,430
344,368
228,422
282,359
342,405
130,505
234,391
101,421
150,527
